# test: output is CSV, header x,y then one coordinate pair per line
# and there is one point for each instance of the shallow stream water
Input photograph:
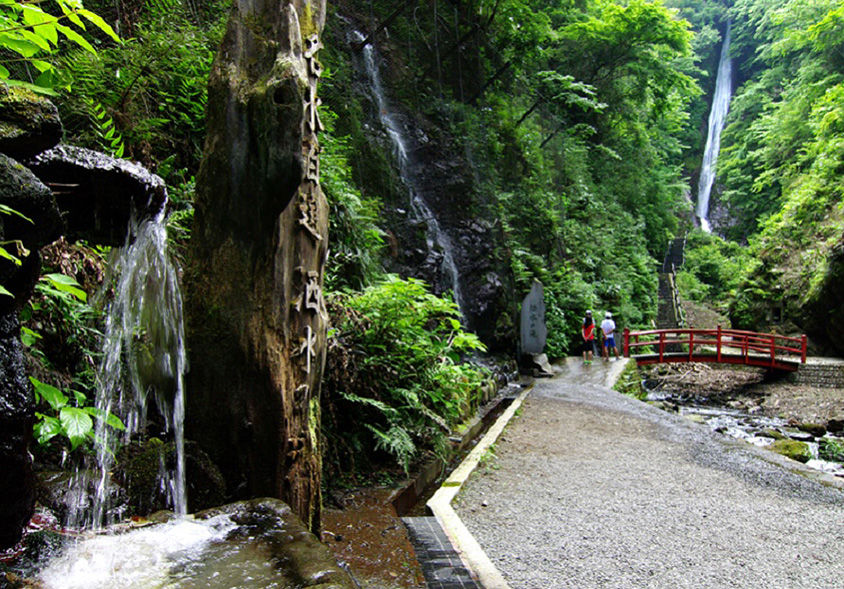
x,y
753,428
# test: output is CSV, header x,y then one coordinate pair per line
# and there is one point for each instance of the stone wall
x,y
826,375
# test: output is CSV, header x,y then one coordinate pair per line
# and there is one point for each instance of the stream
x,y
747,425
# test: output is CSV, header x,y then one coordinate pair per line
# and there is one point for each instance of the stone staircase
x,y
669,310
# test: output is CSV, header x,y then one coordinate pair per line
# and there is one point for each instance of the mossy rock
x,y
816,429
831,449
773,434
29,123
793,449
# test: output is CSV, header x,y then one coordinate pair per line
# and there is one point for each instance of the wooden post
x,y
661,344
718,344
803,352
691,344
773,351
626,342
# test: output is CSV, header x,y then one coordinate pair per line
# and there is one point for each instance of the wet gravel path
x,y
593,489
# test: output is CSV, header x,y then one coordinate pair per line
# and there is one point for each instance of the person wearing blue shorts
x,y
608,329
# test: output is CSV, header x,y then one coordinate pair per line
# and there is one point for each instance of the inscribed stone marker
x,y
533,329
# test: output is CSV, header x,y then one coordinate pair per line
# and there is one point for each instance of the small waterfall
x,y
717,117
143,358
436,238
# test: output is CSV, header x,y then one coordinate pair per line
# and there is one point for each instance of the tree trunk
x,y
256,319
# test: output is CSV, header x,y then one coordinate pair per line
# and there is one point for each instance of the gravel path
x,y
593,489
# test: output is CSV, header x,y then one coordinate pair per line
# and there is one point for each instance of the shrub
x,y
395,382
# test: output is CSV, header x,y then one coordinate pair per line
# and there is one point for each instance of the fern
x,y
396,441
110,140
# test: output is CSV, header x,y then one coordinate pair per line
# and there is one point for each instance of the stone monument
x,y
534,332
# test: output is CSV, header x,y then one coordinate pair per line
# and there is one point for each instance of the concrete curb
x,y
464,543
467,547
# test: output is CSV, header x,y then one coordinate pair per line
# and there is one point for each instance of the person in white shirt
x,y
608,329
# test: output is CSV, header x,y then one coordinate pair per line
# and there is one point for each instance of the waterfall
x,y
436,238
143,359
717,117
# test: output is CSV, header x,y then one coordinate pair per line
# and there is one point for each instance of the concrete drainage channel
x,y
449,555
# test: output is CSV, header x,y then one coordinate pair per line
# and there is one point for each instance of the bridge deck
x,y
789,365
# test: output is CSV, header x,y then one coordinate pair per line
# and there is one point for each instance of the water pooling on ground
x,y
145,558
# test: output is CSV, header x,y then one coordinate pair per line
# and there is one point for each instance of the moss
x,y
793,449
630,382
816,429
306,22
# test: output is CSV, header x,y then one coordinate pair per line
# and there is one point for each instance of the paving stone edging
x,y
467,547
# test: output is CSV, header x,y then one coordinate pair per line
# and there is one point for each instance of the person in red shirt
x,y
587,330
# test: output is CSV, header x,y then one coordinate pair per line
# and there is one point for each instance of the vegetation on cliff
x,y
564,134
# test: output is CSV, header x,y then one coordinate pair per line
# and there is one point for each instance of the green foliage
x,y
630,382
153,87
355,236
395,380
109,139
712,270
19,250
30,36
831,449
71,422
782,155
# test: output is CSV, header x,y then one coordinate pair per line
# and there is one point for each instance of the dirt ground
x,y
748,388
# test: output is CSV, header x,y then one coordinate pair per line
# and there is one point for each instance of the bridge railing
x,y
754,348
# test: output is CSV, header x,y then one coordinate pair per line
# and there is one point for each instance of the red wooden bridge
x,y
725,346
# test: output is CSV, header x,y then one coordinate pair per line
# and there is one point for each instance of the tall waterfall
x,y
717,117
143,360
436,238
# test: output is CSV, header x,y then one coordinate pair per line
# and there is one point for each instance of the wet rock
x,y
793,449
29,123
23,192
96,193
773,434
816,429
835,426
799,435
17,406
139,470
271,523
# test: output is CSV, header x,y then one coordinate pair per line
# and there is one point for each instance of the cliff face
x,y
255,313
413,158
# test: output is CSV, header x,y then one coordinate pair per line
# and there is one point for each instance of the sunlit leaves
x,y
31,34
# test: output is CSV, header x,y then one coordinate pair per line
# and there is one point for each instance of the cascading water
x,y
143,358
717,117
436,238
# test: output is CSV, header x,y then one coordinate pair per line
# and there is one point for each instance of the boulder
x,y
29,123
98,194
17,406
271,524
22,191
793,449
